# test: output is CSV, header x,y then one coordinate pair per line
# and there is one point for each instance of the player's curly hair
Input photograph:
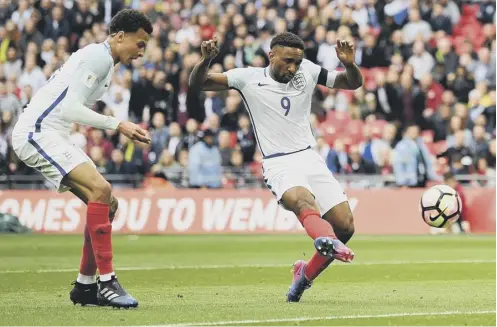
x,y
129,20
287,39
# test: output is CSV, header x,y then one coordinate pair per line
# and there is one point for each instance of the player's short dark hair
x,y
130,20
287,39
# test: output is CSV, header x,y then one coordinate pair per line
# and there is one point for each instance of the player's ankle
x,y
106,277
84,279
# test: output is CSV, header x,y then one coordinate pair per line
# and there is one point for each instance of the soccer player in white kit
x,y
41,139
278,100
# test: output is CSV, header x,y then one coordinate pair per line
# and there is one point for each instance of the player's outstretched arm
x,y
351,78
199,78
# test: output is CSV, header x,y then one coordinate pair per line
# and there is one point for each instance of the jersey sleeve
x,y
319,74
238,78
92,70
86,79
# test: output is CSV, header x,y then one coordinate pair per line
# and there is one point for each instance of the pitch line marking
x,y
178,267
301,319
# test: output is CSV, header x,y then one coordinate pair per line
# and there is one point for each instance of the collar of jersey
x,y
107,46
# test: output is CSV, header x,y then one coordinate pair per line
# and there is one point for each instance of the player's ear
x,y
120,36
271,56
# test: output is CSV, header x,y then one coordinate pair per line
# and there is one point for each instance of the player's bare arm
x,y
351,78
199,78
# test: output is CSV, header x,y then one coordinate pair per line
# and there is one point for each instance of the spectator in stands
x,y
97,139
13,65
387,94
213,104
97,155
358,165
459,151
416,27
337,159
56,25
30,34
133,155
439,20
204,165
8,101
32,74
213,122
446,56
456,125
413,101
191,136
439,122
421,60
175,137
167,168
159,136
461,83
245,138
229,121
373,55
479,145
412,165
224,142
118,166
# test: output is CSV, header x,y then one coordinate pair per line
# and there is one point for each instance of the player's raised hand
x,y
345,52
209,49
133,132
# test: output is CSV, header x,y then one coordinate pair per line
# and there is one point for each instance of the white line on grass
x,y
173,267
371,316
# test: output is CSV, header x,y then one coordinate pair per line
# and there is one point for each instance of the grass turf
x,y
427,280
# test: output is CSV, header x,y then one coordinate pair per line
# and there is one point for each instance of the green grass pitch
x,y
242,280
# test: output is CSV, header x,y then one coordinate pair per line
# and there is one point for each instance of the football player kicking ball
x,y
41,139
278,101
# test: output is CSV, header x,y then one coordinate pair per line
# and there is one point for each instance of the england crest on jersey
x,y
299,81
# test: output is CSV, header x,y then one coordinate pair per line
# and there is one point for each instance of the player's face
x,y
132,45
285,62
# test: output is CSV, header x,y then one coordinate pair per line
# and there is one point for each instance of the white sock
x,y
106,277
83,279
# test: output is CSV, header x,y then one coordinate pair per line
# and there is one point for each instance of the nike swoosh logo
x,y
262,84
439,215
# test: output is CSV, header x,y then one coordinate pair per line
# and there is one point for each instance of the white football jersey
x,y
279,112
88,71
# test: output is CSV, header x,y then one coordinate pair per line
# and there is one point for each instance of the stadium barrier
x,y
162,211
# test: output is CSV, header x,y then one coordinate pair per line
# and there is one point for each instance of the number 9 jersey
x,y
279,112
280,117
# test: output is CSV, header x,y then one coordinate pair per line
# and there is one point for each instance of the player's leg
x,y
341,219
334,205
85,287
301,202
90,184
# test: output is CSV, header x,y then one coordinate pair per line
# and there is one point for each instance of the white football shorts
x,y
50,153
306,169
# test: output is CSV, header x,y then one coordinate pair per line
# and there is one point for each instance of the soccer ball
x,y
440,206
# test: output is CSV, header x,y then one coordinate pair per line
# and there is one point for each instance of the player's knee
x,y
305,203
101,191
346,227
114,205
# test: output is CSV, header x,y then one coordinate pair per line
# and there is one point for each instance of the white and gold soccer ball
x,y
440,206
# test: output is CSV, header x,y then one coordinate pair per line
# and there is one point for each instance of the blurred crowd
x,y
427,105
